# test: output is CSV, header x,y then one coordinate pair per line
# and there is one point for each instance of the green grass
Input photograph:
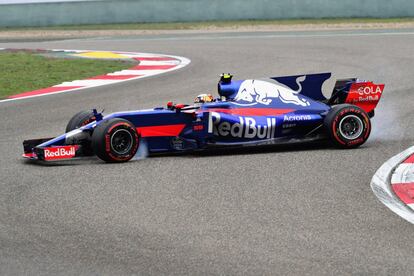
x,y
23,71
207,24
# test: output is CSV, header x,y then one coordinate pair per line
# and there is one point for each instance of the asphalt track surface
x,y
296,210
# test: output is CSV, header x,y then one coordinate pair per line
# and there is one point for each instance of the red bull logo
x,y
63,152
263,92
246,127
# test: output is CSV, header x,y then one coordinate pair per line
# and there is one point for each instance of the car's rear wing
x,y
364,94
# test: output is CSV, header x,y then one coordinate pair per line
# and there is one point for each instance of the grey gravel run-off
x,y
297,211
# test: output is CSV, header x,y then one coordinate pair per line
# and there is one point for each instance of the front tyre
x,y
348,125
80,119
115,140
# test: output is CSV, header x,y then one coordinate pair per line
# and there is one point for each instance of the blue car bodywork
x,y
248,112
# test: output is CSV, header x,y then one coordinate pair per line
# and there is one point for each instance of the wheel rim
x,y
351,127
121,141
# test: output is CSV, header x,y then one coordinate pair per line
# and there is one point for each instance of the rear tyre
x,y
115,140
80,119
348,126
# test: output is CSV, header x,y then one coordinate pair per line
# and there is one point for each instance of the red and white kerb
x,y
402,182
149,65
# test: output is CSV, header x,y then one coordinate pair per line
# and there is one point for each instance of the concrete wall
x,y
123,11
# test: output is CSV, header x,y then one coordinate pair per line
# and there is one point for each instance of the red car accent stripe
x,y
152,67
252,111
29,155
43,91
405,191
154,58
158,131
114,77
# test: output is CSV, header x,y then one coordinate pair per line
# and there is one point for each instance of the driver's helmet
x,y
204,98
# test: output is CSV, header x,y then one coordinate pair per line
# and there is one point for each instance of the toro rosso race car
x,y
248,112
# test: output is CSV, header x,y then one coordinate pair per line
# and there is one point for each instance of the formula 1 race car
x,y
248,113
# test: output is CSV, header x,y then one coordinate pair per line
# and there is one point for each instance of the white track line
x,y
381,186
137,72
258,35
88,83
